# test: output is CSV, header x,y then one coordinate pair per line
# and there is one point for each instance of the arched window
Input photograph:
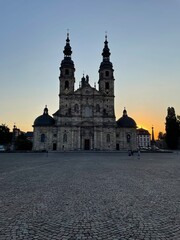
x,y
65,137
66,85
76,108
66,71
128,138
43,137
108,138
88,111
97,108
107,86
69,111
107,73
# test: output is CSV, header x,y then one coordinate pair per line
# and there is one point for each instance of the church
x,y
86,118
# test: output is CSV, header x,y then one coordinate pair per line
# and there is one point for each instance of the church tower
x,y
106,78
67,70
106,81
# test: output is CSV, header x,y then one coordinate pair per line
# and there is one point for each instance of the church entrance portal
x,y
86,144
117,146
54,146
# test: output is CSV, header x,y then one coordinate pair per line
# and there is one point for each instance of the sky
x,y
144,41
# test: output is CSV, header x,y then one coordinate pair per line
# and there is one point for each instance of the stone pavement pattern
x,y
73,196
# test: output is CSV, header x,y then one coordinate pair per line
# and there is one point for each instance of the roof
x,y
142,131
125,121
29,134
44,120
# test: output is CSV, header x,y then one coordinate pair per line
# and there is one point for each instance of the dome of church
x,y
44,120
106,65
67,61
125,121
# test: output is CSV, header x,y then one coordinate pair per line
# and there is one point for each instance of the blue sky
x,y
144,40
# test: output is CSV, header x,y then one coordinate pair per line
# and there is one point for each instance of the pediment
x,y
87,90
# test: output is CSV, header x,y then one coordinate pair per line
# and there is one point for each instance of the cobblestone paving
x,y
78,196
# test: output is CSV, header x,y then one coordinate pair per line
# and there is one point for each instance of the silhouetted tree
x,y
22,143
178,120
172,129
161,136
5,135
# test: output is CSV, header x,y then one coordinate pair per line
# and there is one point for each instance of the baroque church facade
x,y
86,118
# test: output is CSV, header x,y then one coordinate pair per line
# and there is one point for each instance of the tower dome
x,y
125,121
67,61
44,120
106,63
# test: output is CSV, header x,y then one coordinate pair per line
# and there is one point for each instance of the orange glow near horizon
x,y
146,120
158,127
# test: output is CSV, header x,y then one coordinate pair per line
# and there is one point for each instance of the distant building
x,y
86,118
143,138
16,132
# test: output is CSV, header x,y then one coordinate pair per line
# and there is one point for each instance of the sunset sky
x,y
144,40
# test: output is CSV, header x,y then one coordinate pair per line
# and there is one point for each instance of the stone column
x,y
79,138
101,139
72,139
95,140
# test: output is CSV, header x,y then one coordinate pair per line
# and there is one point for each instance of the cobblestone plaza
x,y
71,196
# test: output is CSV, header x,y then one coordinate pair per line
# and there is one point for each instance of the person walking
x,y
139,154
